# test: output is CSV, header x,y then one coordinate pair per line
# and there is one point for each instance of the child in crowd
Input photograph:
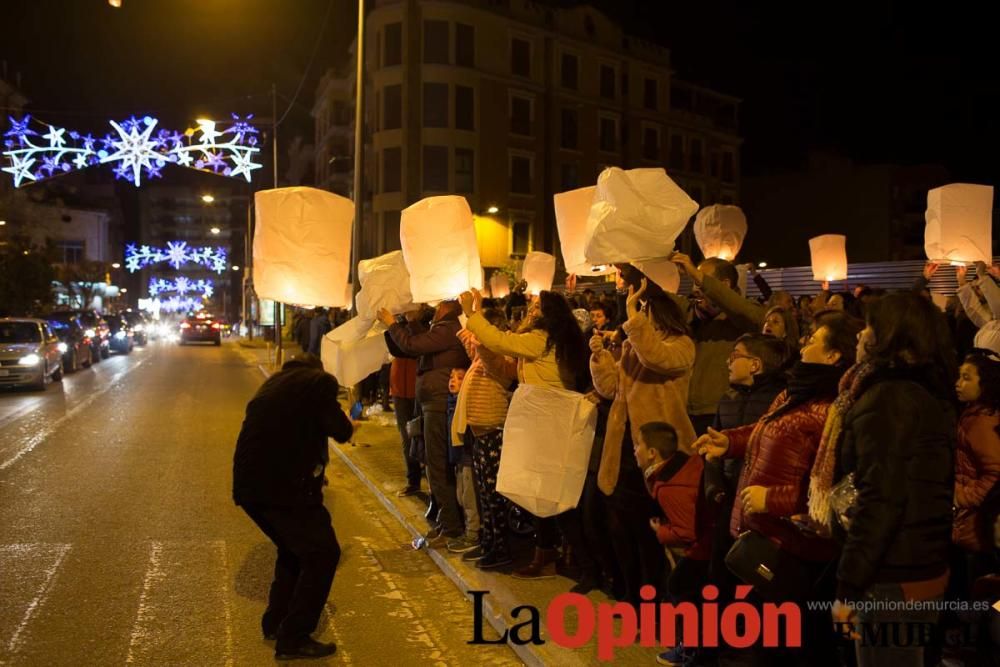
x,y
460,456
674,479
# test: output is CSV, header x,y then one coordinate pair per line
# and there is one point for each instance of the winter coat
x,y
281,450
535,364
439,351
648,384
977,470
318,327
714,340
403,370
778,454
744,313
676,487
899,441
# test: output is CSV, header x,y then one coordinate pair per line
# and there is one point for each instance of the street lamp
x,y
762,265
208,199
235,268
493,209
116,265
215,230
124,290
2,223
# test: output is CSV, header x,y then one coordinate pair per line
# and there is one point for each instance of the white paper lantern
x,y
663,272
438,238
499,285
959,224
539,270
353,351
385,283
829,257
636,214
720,230
572,209
302,246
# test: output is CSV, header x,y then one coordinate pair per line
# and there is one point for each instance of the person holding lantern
x,y
648,384
550,351
439,351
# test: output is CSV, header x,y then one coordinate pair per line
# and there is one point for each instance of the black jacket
x,y
899,441
439,350
282,448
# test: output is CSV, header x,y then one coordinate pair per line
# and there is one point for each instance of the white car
x,y
30,353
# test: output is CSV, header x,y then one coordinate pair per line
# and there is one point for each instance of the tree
x,y
82,279
26,275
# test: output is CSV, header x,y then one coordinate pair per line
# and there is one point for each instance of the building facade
x,y
507,102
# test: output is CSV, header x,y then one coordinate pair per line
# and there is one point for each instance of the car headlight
x,y
89,333
119,334
29,360
62,347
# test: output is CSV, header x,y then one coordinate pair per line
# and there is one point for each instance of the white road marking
x,y
43,591
183,579
42,435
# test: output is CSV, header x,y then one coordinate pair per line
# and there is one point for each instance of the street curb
x,y
495,618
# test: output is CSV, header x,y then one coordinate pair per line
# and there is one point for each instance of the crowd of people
x,y
847,444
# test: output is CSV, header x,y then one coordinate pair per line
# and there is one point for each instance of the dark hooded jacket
x,y
438,350
282,447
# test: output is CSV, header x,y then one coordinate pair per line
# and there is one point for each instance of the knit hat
x,y
988,338
583,319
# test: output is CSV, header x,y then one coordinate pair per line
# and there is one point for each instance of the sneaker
x,y
408,490
675,657
494,560
474,555
461,545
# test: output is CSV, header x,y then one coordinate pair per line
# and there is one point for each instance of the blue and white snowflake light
x,y
133,150
177,254
182,286
177,304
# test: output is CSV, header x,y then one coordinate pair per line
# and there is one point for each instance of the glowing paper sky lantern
x,y
959,224
499,285
572,209
302,246
663,272
385,283
720,230
829,257
636,214
438,238
539,269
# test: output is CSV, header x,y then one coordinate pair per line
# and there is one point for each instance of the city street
x,y
120,542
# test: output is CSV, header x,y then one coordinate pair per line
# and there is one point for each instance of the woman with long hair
x,y
897,444
550,350
649,383
782,323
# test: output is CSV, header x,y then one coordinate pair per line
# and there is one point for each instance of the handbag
x,y
774,573
415,427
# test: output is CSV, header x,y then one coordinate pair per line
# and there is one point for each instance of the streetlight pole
x,y
274,160
359,148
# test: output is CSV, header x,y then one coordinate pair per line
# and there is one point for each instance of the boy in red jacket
x,y
674,479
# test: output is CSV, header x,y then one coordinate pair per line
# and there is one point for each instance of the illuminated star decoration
x,y
182,286
132,150
177,254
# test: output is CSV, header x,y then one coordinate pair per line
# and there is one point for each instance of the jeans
x,y
308,553
441,475
404,413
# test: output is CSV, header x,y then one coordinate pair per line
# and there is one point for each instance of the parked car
x,y
121,335
29,353
137,323
94,327
201,329
74,343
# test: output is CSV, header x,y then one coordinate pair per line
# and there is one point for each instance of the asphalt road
x,y
119,542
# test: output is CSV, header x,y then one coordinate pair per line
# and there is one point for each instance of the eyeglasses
x,y
733,356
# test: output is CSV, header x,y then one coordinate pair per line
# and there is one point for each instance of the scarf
x,y
807,382
821,476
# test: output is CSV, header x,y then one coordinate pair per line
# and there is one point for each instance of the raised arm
x,y
669,356
529,345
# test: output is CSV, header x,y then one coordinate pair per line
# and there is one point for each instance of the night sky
x,y
875,81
